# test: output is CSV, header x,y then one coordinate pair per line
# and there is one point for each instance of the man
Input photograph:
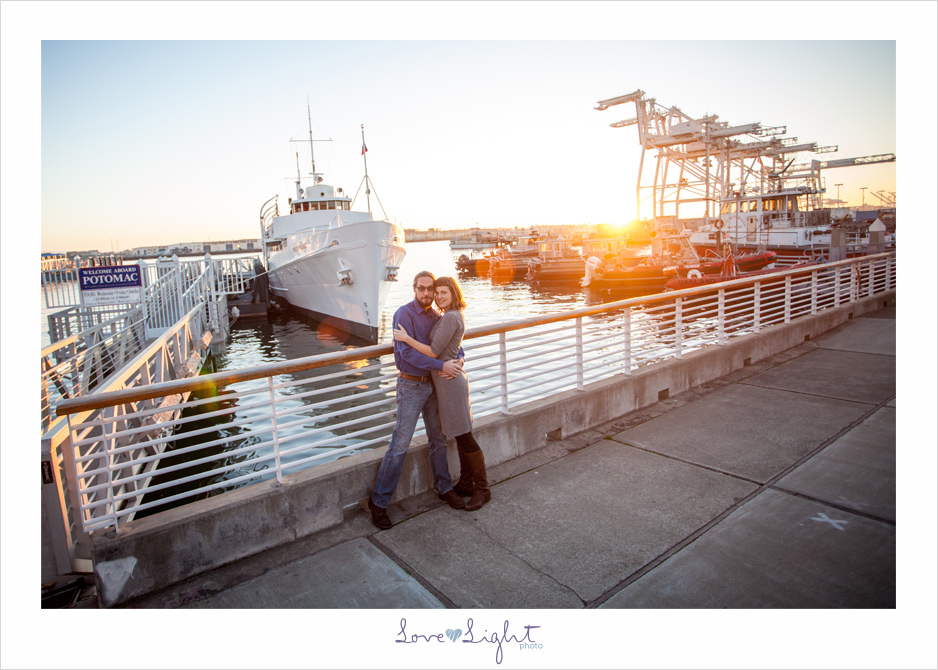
x,y
415,396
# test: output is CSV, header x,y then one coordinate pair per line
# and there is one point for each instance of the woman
x,y
453,394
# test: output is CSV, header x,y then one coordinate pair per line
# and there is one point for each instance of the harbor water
x,y
286,335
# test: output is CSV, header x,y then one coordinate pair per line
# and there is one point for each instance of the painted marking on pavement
x,y
826,519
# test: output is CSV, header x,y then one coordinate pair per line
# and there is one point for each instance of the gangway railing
x,y
60,286
247,426
77,365
176,354
91,344
99,349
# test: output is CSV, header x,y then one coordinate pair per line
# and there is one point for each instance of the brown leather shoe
x,y
452,499
482,494
379,515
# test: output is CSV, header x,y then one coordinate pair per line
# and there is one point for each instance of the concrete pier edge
x,y
151,554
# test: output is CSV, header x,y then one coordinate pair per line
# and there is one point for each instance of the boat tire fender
x,y
719,224
694,274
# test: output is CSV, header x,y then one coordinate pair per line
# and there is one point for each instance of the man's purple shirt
x,y
418,322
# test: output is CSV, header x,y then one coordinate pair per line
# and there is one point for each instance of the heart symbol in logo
x,y
453,634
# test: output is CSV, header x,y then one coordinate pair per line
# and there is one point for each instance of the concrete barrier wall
x,y
155,552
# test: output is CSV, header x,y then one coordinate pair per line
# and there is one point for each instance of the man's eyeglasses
x,y
424,289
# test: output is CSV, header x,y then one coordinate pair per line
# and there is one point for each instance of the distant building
x,y
199,248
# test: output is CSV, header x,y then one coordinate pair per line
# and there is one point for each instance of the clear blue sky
x,y
154,142
150,141
161,142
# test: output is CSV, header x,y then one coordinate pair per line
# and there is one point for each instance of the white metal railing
x,y
162,339
89,344
60,286
73,456
59,276
82,321
78,364
245,426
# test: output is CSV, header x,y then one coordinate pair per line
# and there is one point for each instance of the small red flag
x,y
364,148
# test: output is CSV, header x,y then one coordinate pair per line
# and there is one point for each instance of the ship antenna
x,y
367,182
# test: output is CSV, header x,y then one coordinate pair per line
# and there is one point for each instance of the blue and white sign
x,y
110,285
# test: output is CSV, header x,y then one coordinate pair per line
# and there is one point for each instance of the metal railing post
x,y
110,471
81,543
814,292
837,286
787,298
869,278
579,353
721,317
627,338
273,425
503,371
214,321
177,269
678,326
757,306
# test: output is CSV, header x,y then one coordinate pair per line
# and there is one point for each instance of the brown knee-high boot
x,y
482,494
464,486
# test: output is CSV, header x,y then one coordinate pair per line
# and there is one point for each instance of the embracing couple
x,y
428,355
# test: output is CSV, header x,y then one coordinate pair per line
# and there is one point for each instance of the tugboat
x,y
328,261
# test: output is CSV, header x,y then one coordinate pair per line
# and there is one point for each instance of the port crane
x,y
705,160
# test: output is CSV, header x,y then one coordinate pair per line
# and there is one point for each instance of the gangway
x,y
97,350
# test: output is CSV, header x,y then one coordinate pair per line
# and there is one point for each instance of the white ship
x,y
328,261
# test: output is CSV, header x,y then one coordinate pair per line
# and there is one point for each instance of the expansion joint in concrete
x,y
837,506
494,540
770,484
412,572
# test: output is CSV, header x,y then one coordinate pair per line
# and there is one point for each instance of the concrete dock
x,y
772,487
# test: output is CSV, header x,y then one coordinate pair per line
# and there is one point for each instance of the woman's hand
x,y
401,335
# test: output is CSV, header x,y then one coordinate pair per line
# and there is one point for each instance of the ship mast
x,y
367,182
309,117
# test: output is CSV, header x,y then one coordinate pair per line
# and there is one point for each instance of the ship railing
x,y
79,473
241,427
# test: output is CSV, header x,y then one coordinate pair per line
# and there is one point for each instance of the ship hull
x,y
340,276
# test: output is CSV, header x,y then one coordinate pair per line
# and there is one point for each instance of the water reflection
x,y
325,399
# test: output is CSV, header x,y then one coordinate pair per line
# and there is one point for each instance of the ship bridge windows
x,y
324,204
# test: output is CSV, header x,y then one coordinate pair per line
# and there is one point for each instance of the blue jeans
x,y
413,399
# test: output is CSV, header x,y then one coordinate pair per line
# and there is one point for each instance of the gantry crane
x,y
705,160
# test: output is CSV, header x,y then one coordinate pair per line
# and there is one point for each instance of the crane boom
x,y
865,160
